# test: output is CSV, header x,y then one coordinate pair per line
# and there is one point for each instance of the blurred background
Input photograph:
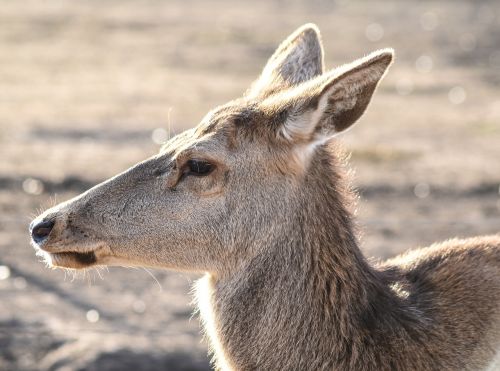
x,y
88,88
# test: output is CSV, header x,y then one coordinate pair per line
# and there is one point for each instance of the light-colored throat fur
x,y
309,300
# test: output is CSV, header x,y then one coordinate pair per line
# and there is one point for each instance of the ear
x,y
299,58
333,102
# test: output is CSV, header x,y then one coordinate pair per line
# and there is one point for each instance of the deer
x,y
257,200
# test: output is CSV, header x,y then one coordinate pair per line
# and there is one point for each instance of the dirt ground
x,y
89,88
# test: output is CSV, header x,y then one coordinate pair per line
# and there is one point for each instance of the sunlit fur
x,y
286,286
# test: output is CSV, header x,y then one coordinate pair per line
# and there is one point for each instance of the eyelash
x,y
198,168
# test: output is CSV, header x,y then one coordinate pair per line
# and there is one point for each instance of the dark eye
x,y
198,167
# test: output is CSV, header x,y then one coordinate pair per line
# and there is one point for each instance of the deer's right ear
x,y
298,59
332,102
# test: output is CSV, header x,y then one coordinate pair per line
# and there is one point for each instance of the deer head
x,y
217,194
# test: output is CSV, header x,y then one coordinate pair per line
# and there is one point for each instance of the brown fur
x,y
286,286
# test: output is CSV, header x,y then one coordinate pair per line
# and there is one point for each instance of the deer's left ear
x,y
332,102
299,58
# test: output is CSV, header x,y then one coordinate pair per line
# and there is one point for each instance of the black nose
x,y
40,231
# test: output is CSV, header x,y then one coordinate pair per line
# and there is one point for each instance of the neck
x,y
308,301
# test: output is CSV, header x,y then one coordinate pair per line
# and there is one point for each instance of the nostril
x,y
42,230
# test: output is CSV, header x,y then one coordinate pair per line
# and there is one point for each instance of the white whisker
x,y
152,275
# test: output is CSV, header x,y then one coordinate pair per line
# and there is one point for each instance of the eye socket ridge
x,y
198,167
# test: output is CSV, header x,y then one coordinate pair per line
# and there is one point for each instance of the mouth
x,y
72,259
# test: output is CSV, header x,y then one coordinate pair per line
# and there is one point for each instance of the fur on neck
x,y
309,300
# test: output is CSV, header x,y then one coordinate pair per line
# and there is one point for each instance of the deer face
x,y
218,193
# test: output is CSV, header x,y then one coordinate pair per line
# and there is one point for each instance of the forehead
x,y
228,117
243,121
238,123
218,127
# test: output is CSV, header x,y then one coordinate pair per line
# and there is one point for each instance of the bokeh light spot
x,y
404,86
92,316
33,186
139,306
4,272
424,64
20,283
374,32
429,21
422,190
159,136
457,95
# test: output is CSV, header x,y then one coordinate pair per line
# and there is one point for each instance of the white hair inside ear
x,y
303,153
